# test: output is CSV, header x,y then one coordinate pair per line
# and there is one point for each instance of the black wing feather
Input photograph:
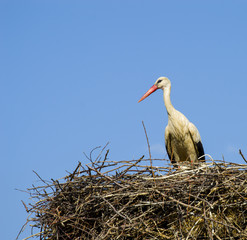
x,y
200,151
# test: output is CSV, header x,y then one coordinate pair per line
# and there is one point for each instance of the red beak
x,y
151,90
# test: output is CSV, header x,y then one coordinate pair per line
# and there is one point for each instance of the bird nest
x,y
138,200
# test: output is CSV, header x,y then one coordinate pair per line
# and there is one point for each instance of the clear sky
x,y
73,71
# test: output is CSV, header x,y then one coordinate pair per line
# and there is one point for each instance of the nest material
x,y
135,200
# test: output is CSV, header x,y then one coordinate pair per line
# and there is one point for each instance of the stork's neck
x,y
167,99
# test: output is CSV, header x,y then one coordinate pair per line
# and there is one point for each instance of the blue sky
x,y
73,71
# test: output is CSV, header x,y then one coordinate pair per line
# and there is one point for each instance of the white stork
x,y
182,139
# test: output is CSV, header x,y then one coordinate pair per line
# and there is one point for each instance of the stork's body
x,y
182,139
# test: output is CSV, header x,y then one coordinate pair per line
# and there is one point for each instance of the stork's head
x,y
161,83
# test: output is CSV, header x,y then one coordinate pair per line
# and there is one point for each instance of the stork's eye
x,y
159,81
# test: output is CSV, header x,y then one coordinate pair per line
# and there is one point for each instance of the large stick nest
x,y
138,200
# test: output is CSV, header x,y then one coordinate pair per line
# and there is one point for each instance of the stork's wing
x,y
194,133
169,145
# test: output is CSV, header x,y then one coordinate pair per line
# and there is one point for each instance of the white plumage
x,y
182,139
